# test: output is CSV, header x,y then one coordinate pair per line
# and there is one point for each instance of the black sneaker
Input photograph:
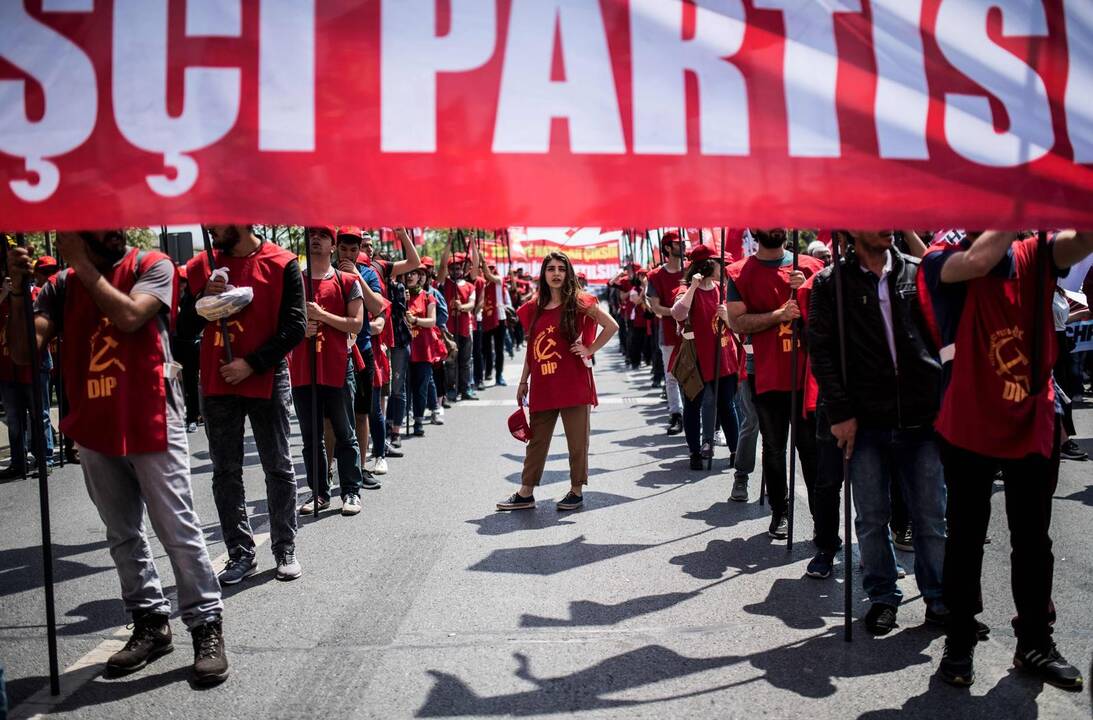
x,y
820,566
739,489
903,540
445,402
210,662
941,617
393,452
1070,451
1051,667
237,570
706,451
697,463
419,429
881,619
151,639
779,527
571,501
369,481
956,664
517,502
396,441
675,424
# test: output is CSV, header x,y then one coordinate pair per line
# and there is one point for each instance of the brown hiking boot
x,y
151,639
210,662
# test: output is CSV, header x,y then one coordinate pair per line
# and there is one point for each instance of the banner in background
x,y
487,113
593,251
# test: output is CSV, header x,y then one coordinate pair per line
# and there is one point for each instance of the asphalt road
x,y
659,599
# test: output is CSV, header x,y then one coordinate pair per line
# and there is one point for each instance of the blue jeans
x,y
698,415
377,427
400,368
913,454
16,397
335,403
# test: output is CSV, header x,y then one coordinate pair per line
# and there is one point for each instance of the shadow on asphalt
x,y
585,613
503,523
755,554
21,568
1015,692
1085,497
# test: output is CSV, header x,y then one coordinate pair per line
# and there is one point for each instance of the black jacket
x,y
876,393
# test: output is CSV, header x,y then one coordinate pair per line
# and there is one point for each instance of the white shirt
x,y
886,306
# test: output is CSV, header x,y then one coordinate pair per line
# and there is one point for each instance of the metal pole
x,y
228,356
60,384
848,554
38,441
794,397
313,380
717,352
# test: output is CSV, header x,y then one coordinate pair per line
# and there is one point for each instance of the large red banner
x,y
618,113
594,252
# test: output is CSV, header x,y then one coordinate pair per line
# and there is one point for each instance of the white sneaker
x,y
370,464
379,466
719,439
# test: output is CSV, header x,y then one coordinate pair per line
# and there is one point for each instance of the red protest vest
x,y
666,284
383,269
491,311
425,343
331,345
117,396
459,322
559,378
764,289
250,328
705,324
987,408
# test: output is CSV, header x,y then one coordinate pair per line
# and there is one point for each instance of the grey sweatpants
x,y
122,488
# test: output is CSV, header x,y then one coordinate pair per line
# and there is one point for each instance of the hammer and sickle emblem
x,y
100,362
546,347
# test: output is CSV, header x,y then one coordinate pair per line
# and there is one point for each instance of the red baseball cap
x,y
518,425
329,229
46,262
457,258
582,276
351,232
671,237
428,262
703,252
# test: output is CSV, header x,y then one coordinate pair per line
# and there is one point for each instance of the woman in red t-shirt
x,y
699,302
561,331
426,346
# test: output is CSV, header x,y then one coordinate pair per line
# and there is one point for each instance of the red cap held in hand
x,y
518,425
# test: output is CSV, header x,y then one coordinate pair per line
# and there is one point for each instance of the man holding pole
x,y
760,294
126,415
990,295
882,418
460,295
254,385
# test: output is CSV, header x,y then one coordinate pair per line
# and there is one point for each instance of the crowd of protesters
x,y
930,366
922,372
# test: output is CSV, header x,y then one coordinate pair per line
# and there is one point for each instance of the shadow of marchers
x,y
801,603
585,613
747,557
502,523
551,559
580,691
1085,497
551,477
1014,697
677,473
95,616
21,568
810,668
727,514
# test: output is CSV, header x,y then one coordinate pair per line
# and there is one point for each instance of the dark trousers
x,y
1064,375
493,352
1029,485
188,357
637,346
827,492
464,359
774,417
336,404
440,379
225,416
479,363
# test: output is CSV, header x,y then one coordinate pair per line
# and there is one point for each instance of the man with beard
x,y
760,292
254,385
663,282
114,309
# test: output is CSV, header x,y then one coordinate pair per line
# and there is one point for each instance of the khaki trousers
x,y
575,421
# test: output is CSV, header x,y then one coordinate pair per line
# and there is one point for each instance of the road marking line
x,y
90,666
631,401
